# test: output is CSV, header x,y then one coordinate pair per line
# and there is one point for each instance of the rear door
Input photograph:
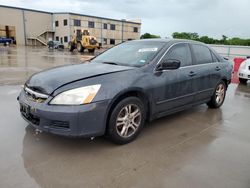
x,y
216,72
202,69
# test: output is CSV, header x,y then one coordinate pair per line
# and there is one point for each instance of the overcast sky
x,y
162,17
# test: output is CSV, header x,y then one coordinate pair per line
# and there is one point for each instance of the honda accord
x,y
116,92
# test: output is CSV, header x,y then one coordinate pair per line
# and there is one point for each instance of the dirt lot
x,y
197,148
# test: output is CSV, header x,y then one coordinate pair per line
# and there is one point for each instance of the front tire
x,y
243,81
71,46
219,96
126,120
80,47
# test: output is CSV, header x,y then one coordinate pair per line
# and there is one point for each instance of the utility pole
x,y
101,31
24,28
123,29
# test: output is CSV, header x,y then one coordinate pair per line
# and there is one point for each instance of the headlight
x,y
82,95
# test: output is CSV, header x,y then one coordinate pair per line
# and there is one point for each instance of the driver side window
x,y
180,52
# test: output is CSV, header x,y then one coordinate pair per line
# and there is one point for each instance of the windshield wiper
x,y
111,63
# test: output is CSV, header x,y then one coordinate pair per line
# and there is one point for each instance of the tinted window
x,y
132,53
180,52
202,54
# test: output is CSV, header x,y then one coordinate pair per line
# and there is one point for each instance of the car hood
x,y
48,81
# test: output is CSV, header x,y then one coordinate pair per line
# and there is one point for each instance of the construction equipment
x,y
82,41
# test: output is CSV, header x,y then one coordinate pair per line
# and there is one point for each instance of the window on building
x,y
105,26
105,41
65,39
77,22
65,22
78,33
57,38
202,54
136,29
56,23
91,24
112,41
112,26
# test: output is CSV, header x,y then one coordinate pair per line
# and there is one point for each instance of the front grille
x,y
60,124
34,95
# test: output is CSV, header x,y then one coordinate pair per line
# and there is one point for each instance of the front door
x,y
174,88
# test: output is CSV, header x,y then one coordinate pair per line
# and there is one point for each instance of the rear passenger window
x,y
202,54
180,52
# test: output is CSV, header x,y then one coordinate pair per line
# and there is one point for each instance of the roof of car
x,y
170,40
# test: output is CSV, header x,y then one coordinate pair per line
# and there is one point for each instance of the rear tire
x,y
80,47
219,96
243,81
126,120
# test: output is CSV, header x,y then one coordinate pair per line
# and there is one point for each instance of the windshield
x,y
133,53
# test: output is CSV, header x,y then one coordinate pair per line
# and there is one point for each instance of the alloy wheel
x,y
220,94
128,120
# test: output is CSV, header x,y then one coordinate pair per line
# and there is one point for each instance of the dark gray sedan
x,y
120,89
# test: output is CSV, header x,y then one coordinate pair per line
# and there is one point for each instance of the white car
x,y
244,71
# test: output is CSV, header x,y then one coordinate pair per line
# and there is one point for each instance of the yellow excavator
x,y
83,41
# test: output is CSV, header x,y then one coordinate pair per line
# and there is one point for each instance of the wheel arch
x,y
226,81
133,92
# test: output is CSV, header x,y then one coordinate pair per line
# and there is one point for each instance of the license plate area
x,y
26,112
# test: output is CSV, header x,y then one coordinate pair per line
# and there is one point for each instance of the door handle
x,y
192,73
217,68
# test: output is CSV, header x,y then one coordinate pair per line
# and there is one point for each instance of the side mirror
x,y
169,64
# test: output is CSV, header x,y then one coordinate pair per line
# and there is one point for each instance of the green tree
x,y
208,40
224,39
149,36
185,35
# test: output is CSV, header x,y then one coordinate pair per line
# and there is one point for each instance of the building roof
x,y
77,14
20,8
